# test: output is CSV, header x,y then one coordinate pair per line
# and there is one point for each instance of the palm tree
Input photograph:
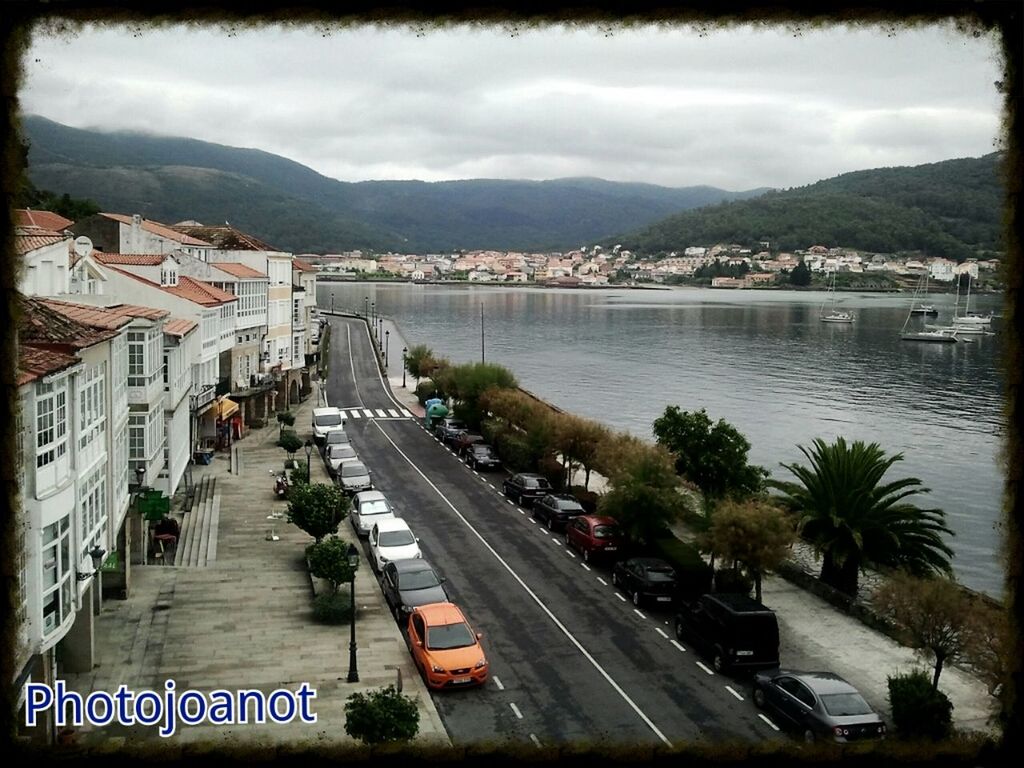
x,y
852,518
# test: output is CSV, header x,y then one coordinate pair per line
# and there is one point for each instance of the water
x,y
761,360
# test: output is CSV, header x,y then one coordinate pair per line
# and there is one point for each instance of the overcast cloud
x,y
735,108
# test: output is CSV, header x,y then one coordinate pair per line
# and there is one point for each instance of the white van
x,y
324,420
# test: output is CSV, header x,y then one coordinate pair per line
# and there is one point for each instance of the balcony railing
x,y
206,395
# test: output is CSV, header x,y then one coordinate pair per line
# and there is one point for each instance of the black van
x,y
737,632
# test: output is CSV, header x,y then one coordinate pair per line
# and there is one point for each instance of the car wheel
x,y
636,598
759,698
809,737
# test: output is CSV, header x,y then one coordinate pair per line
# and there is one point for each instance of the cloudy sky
x,y
736,108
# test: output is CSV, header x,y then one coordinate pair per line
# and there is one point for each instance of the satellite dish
x,y
83,246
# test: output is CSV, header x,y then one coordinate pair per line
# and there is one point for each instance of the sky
x,y
731,107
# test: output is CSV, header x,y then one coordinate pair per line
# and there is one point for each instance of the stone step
x,y
190,539
186,526
198,555
211,546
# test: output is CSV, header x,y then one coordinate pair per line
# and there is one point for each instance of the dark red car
x,y
594,536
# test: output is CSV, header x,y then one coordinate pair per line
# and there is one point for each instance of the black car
x,y
482,456
557,509
645,579
734,630
411,582
449,430
818,705
524,487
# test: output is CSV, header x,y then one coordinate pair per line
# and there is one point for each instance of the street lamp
x,y
353,665
380,332
366,309
404,350
387,340
309,452
332,303
96,554
373,316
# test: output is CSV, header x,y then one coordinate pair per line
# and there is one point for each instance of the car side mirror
x,y
442,580
479,635
419,643
417,539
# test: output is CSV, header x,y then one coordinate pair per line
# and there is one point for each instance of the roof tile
x,y
26,217
227,238
178,326
130,259
89,314
28,239
36,362
43,326
236,269
158,229
304,266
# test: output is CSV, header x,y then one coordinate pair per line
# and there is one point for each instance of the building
x,y
305,327
44,261
118,233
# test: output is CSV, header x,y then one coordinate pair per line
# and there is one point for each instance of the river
x,y
761,360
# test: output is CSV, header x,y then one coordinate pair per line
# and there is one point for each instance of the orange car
x,y
444,647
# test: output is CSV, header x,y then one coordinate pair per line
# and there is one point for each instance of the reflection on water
x,y
761,360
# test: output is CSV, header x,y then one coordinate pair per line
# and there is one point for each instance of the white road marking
x,y
521,512
533,595
569,553
367,413
532,521
763,717
600,579
555,541
343,416
510,502
731,690
699,664
406,413
677,645
516,710
620,597
497,682
355,414
477,474
393,413
585,566
381,412
534,739
352,362
637,612
661,632
491,484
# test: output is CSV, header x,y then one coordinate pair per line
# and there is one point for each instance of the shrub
x,y
693,575
733,580
490,430
587,499
290,441
918,710
425,390
379,716
317,509
328,559
552,469
286,417
300,475
514,451
333,607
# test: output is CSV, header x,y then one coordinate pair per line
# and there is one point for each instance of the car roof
x,y
822,682
370,496
534,475
440,613
564,497
599,519
355,464
476,446
392,524
651,561
341,448
411,564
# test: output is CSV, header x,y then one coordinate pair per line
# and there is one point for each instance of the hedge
x,y
694,575
918,710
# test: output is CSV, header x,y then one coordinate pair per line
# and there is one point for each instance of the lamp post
x,y
366,307
97,553
387,341
353,665
404,351
380,332
309,452
332,303
373,316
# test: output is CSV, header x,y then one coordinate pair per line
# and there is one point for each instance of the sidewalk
x,y
246,620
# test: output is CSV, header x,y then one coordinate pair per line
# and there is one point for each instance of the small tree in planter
x,y
291,443
317,509
328,560
285,418
381,716
300,475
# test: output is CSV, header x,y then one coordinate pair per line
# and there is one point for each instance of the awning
x,y
225,407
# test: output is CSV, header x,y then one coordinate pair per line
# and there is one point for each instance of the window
x,y
92,509
136,358
51,422
137,437
91,404
56,562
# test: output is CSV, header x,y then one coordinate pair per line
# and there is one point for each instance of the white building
x,y
120,233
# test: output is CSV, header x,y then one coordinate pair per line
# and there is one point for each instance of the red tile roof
x,y
43,326
158,229
36,362
178,326
237,270
304,266
135,310
227,238
130,259
187,288
28,239
26,217
97,317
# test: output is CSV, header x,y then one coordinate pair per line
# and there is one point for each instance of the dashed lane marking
x,y
510,502
637,612
732,690
620,597
535,740
677,645
497,682
532,521
661,632
569,553
491,484
555,541
516,710
355,414
699,664
765,718
600,579
585,566
381,412
521,511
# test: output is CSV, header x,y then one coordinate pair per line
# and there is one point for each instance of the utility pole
x,y
482,358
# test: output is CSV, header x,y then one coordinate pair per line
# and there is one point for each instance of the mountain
x,y
291,206
952,208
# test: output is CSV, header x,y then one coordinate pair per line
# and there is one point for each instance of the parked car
x,y
409,583
338,454
524,487
369,507
482,456
818,705
734,630
325,419
391,540
444,647
463,442
353,477
335,436
557,509
645,579
594,536
449,429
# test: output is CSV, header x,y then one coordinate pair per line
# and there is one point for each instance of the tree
x,y
414,360
644,498
328,559
290,441
991,650
317,509
754,533
800,275
713,456
382,715
470,381
851,517
579,441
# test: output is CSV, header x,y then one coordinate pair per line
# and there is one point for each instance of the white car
x,y
369,507
392,540
337,455
325,419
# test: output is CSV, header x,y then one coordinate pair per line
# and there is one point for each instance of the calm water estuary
x,y
761,360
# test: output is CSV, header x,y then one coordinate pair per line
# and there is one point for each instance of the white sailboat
x,y
972,323
927,310
931,333
833,316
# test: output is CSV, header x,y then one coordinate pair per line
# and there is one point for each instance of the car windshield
x,y
328,420
536,482
606,532
353,469
568,504
845,704
483,450
336,436
660,574
373,508
343,452
418,580
396,539
445,636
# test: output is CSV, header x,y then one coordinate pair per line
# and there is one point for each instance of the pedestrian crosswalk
x,y
375,413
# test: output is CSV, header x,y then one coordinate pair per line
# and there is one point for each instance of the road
x,y
571,660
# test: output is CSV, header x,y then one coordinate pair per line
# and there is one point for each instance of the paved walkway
x,y
246,620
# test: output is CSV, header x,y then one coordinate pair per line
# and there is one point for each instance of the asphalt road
x,y
570,657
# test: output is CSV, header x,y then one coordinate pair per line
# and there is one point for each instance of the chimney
x,y
135,236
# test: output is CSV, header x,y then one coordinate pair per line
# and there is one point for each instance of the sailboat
x,y
928,310
833,316
931,333
971,322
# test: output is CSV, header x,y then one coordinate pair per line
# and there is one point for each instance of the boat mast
x,y
913,301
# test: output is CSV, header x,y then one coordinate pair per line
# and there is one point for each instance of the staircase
x,y
197,545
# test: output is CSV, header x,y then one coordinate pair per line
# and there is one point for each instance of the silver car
x,y
338,454
368,507
354,477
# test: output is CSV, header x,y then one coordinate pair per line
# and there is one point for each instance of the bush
x,y
490,430
692,573
587,499
328,559
553,470
425,390
290,441
918,710
379,716
729,580
286,417
514,451
333,607
317,509
300,475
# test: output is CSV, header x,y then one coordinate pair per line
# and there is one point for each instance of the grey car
x,y
409,583
817,705
353,477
